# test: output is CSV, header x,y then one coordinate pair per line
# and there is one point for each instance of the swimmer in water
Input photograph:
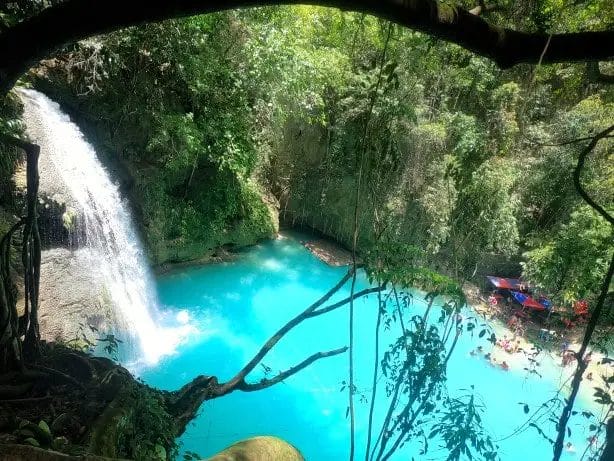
x,y
570,448
592,440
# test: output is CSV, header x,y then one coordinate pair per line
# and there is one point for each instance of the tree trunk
x,y
608,451
22,45
31,254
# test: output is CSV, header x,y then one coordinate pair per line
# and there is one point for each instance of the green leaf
x,y
43,425
31,441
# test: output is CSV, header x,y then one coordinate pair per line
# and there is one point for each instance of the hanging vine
x,y
20,336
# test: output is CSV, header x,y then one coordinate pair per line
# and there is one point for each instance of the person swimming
x,y
476,351
592,440
570,448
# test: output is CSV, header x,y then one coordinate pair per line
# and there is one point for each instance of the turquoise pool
x,y
234,307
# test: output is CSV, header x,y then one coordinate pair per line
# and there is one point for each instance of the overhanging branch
x,y
184,403
264,350
40,36
343,302
579,167
597,311
264,383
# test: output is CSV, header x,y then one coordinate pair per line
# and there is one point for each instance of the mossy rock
x,y
264,448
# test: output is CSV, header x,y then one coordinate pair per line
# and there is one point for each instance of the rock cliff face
x,y
71,299
315,188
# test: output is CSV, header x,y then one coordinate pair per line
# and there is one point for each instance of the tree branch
x,y
185,402
576,175
594,319
240,376
343,302
564,143
264,383
17,142
608,451
582,364
36,38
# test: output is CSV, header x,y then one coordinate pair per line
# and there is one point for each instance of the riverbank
x,y
327,251
219,255
525,349
522,350
530,350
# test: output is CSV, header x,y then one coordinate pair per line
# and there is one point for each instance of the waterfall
x,y
106,229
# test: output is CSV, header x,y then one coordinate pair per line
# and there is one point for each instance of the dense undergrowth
x,y
470,163
347,124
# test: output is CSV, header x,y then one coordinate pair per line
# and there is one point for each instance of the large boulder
x,y
264,448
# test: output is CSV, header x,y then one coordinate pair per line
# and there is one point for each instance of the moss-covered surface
x,y
81,405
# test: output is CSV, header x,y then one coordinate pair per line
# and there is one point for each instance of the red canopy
x,y
506,284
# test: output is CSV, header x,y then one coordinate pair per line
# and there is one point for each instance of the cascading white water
x,y
111,240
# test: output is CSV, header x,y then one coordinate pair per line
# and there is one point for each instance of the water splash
x,y
105,224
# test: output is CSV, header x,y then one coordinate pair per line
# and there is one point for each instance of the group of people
x,y
488,356
515,324
510,346
568,356
592,442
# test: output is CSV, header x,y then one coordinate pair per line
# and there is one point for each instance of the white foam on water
x,y
183,317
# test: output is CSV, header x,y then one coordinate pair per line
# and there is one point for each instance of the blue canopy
x,y
545,302
526,301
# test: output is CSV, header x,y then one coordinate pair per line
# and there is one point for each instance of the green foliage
x,y
111,345
150,430
10,125
414,370
401,265
185,125
214,112
461,430
572,263
37,435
